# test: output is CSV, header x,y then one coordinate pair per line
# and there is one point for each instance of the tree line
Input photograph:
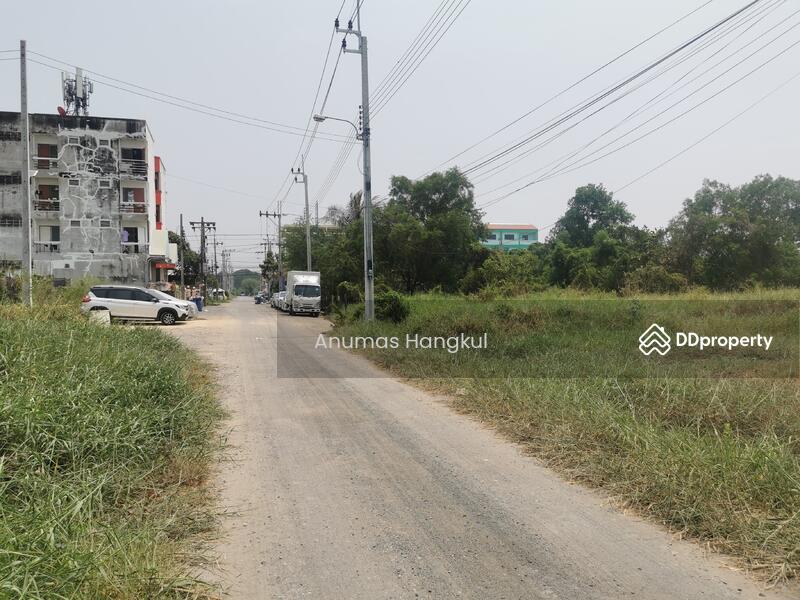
x,y
427,236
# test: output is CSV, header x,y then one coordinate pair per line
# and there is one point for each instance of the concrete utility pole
x,y
369,272
182,260
216,264
302,172
27,243
204,226
277,215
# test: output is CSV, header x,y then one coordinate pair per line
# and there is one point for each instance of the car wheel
x,y
168,317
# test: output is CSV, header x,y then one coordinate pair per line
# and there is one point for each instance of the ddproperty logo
x,y
655,339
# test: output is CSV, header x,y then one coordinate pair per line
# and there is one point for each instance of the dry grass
x,y
708,445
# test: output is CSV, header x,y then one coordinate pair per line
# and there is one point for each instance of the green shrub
x,y
391,306
348,293
655,279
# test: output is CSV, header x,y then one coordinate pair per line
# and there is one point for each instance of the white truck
x,y
303,293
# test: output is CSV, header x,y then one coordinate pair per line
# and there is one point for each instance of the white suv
x,y
135,304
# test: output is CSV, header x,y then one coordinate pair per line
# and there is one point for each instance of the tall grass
x,y
106,434
708,450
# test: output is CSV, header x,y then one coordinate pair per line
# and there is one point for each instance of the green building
x,y
510,236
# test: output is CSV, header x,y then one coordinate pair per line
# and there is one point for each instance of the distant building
x,y
97,203
510,236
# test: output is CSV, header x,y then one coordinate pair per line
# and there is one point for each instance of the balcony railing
x,y
134,248
52,205
44,163
46,247
133,207
133,167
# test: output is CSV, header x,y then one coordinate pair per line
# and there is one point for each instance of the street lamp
x,y
321,118
364,136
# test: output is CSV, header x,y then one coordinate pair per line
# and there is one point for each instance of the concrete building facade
x,y
97,205
510,236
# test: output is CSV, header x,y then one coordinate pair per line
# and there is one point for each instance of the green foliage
x,y
250,286
241,274
729,238
348,293
655,279
391,306
269,267
191,259
105,434
592,209
425,235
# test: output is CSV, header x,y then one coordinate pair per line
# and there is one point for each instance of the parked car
x,y
274,300
135,304
281,301
190,305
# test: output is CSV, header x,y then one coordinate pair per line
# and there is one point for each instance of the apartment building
x,y
97,199
511,236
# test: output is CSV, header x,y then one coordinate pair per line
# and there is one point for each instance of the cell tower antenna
x,y
76,90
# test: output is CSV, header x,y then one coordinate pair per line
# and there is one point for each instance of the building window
x,y
524,237
493,237
75,223
130,240
47,192
14,179
49,233
105,223
104,143
105,183
133,195
10,136
74,141
133,153
10,221
509,237
74,183
47,156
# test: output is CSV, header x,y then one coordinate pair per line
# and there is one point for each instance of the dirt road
x,y
363,487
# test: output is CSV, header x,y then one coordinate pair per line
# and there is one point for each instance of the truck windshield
x,y
306,291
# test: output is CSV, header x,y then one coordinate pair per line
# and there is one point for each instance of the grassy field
x,y
106,436
706,443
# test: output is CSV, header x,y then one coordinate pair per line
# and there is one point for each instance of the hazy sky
x,y
499,60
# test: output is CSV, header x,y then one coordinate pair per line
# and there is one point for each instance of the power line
x,y
300,152
329,137
170,96
385,86
578,165
403,58
214,187
571,86
599,97
381,103
650,103
497,169
711,133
